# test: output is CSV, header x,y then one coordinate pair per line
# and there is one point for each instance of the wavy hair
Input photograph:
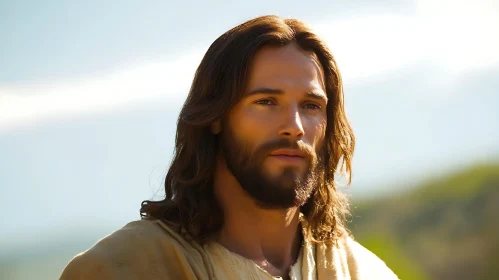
x,y
218,85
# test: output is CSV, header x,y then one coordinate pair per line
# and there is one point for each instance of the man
x,y
250,193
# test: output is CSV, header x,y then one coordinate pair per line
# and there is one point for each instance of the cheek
x,y
248,127
251,123
316,129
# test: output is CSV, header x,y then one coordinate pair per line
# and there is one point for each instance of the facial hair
x,y
285,190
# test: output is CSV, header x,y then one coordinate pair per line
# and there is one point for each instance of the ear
x,y
216,127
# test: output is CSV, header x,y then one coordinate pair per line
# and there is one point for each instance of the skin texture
x,y
259,227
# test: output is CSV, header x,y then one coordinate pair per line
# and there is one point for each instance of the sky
x,y
90,92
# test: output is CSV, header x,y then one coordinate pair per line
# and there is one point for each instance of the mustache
x,y
277,144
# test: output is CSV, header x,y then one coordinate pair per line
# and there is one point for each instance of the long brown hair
x,y
218,85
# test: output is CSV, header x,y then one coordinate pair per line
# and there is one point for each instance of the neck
x,y
270,238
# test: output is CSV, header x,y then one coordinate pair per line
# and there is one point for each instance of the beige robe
x,y
152,250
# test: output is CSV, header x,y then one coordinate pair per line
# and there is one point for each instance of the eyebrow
x,y
312,94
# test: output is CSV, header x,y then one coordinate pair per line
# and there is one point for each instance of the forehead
x,y
285,66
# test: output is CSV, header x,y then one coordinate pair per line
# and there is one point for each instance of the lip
x,y
289,156
289,153
288,159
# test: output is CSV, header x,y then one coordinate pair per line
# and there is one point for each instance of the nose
x,y
291,125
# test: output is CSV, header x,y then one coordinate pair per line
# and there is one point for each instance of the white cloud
x,y
35,103
463,34
458,36
371,45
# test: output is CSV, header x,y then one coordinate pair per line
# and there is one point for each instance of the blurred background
x,y
90,92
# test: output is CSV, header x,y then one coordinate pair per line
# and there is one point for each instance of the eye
x,y
312,106
267,102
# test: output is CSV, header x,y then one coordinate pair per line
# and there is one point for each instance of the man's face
x,y
273,139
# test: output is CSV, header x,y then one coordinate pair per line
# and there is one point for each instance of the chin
x,y
284,171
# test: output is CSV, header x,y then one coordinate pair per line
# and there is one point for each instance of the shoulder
x,y
364,263
139,249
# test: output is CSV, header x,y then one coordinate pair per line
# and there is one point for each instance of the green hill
x,y
447,228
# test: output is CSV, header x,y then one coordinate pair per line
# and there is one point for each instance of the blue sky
x,y
90,92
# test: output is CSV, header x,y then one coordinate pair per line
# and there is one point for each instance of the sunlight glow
x,y
456,36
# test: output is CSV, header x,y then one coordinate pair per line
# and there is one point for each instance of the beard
x,y
287,189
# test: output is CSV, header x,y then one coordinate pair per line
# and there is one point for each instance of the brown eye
x,y
267,102
312,106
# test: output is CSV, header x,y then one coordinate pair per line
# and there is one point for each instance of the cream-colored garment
x,y
152,250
